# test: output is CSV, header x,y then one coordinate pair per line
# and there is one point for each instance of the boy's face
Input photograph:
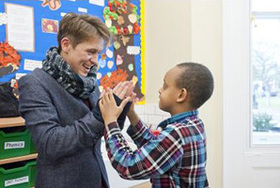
x,y
169,92
83,56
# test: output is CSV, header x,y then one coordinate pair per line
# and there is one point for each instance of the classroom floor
x,y
143,185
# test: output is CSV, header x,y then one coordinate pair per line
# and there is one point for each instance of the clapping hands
x,y
109,109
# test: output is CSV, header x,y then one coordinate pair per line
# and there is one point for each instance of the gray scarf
x,y
56,66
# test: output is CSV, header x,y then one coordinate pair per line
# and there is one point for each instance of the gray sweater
x,y
65,132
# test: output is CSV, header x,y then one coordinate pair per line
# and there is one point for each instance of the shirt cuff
x,y
133,130
111,129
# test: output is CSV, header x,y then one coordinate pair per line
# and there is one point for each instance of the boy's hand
x,y
134,100
131,114
109,109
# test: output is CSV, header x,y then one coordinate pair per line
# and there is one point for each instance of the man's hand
x,y
109,109
123,89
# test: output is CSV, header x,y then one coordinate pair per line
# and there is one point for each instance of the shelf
x,y
12,122
17,159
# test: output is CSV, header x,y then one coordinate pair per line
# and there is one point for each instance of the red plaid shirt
x,y
176,157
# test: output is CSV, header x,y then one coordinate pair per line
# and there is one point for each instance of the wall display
x,y
29,28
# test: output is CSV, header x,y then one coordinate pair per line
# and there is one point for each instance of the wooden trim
x,y
12,122
143,185
17,159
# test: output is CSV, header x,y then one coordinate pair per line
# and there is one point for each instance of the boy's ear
x,y
182,96
65,44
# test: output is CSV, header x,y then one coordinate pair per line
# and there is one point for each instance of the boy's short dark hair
x,y
198,81
81,27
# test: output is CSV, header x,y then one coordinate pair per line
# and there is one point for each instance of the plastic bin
x,y
20,177
15,144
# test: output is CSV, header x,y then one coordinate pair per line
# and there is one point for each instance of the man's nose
x,y
94,59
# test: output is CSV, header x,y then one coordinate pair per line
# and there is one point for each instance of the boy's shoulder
x,y
188,128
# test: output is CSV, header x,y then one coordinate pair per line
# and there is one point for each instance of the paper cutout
x,y
62,14
119,60
19,75
103,56
49,26
52,4
30,64
109,53
83,10
14,86
112,80
110,64
117,45
3,18
102,63
130,29
133,50
20,30
9,59
108,23
124,39
132,18
97,2
130,67
134,80
120,20
98,75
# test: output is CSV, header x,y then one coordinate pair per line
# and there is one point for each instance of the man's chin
x,y
83,74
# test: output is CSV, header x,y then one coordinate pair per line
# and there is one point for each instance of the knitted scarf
x,y
56,66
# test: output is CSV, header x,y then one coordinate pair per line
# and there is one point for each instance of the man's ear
x,y
65,44
183,95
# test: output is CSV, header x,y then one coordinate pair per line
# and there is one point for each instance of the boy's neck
x,y
179,110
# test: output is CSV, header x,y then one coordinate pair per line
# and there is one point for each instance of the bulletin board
x,y
29,28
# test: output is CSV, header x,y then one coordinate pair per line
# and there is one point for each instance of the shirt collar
x,y
178,118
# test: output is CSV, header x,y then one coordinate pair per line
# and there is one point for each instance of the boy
x,y
176,156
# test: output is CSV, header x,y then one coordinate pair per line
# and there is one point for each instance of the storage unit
x,y
15,144
17,177
20,177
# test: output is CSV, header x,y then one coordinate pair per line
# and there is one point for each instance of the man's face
x,y
169,91
84,56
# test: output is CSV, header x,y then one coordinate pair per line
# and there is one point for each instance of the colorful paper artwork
x,y
116,76
122,19
110,64
9,59
49,26
52,4
102,63
119,62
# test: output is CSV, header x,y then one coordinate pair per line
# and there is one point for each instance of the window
x,y
265,74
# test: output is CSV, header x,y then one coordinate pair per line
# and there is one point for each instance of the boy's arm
x,y
156,157
138,131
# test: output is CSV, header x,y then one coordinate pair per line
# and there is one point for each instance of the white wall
x,y
188,30
167,40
